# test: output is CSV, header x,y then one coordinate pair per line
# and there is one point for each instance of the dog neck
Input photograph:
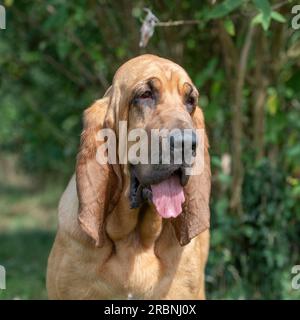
x,y
142,223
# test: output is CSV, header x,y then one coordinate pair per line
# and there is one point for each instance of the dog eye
x,y
146,95
191,100
191,104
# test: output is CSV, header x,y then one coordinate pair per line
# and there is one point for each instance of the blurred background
x,y
58,56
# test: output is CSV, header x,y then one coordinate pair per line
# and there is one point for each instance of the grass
x,y
27,228
24,255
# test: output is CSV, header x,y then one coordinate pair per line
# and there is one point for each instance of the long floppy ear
x,y
96,182
195,217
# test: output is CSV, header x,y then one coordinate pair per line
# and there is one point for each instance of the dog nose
x,y
185,139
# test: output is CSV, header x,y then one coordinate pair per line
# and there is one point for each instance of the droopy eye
x,y
191,100
190,103
146,95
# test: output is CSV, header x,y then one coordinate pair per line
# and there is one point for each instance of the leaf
x,y
8,3
272,102
278,17
229,27
272,106
296,191
265,10
224,9
257,19
263,6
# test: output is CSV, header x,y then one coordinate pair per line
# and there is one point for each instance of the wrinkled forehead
x,y
142,68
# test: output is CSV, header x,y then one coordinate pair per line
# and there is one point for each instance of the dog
x,y
132,230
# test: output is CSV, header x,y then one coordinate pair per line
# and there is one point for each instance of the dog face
x,y
163,105
152,94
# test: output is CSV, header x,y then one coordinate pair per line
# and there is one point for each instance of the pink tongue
x,y
168,196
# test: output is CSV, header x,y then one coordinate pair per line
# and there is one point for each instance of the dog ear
x,y
195,217
96,180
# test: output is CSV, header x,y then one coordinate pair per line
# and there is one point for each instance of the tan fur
x,y
105,250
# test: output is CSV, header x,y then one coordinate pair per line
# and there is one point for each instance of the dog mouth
x,y
164,190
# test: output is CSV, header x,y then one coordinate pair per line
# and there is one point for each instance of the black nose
x,y
184,139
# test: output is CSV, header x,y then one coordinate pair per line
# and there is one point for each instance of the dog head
x,y
158,103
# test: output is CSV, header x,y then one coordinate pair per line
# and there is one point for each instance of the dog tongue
x,y
168,197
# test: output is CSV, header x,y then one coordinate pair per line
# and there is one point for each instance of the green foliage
x,y
266,14
223,9
264,17
26,276
258,246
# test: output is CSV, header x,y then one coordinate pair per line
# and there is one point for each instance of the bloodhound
x,y
135,231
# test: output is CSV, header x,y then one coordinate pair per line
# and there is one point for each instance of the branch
x,y
280,4
260,94
237,125
151,21
243,61
177,23
230,53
